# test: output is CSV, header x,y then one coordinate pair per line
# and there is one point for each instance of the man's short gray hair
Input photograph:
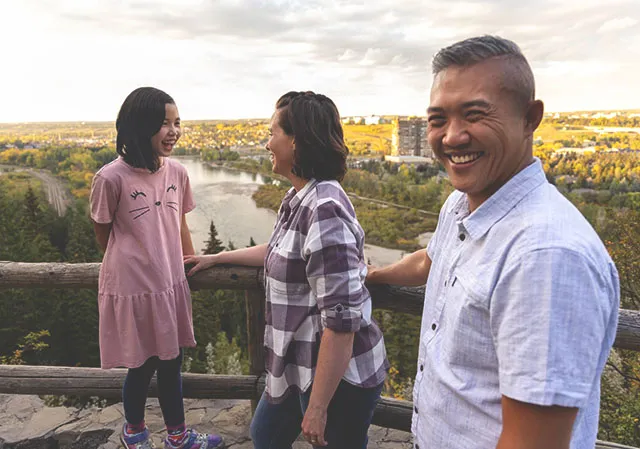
x,y
518,76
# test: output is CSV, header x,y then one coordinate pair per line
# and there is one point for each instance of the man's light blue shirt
x,y
522,301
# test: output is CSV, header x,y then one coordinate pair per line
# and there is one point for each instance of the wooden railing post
x,y
255,301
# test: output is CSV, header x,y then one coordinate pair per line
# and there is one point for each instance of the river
x,y
224,196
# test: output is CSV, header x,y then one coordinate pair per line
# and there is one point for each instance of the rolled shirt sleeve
x,y
334,268
550,315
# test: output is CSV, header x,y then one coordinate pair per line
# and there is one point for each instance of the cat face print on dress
x,y
140,198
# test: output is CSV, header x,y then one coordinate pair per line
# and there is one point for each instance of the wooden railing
x,y
391,413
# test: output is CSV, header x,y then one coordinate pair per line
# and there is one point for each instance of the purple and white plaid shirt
x,y
314,279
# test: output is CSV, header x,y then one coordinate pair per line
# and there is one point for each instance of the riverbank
x,y
224,197
403,230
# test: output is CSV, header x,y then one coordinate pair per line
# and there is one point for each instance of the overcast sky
x,y
78,59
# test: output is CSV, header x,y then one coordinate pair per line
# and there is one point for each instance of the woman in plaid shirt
x,y
324,355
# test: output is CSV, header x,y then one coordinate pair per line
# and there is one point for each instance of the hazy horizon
x,y
187,120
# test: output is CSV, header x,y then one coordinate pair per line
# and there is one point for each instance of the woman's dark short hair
x,y
140,117
314,122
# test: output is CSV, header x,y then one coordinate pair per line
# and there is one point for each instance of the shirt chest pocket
x,y
287,274
466,317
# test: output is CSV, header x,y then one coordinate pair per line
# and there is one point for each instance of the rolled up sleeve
x,y
333,268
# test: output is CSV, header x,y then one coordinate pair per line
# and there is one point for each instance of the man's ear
x,y
534,115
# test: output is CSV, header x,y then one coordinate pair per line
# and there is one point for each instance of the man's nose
x,y
456,134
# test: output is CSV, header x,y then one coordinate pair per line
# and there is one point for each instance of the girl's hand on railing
x,y
199,262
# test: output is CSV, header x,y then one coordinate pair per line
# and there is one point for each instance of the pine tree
x,y
213,244
251,242
35,224
32,213
81,243
7,231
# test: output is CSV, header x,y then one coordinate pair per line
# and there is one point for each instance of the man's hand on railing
x,y
411,271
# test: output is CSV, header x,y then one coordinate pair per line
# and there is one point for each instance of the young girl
x,y
138,205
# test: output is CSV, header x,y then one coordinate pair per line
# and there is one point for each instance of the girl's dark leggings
x,y
136,386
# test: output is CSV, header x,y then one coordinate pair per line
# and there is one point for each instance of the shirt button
x,y
433,326
421,367
462,237
416,409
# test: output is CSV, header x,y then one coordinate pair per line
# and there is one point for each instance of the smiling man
x,y
521,300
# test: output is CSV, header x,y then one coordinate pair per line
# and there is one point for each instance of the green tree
x,y
620,398
213,244
31,345
225,357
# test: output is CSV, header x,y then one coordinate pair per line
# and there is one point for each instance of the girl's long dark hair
x,y
140,117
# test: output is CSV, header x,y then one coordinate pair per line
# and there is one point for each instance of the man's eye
x,y
436,121
474,115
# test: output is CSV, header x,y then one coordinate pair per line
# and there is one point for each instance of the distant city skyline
x,y
76,60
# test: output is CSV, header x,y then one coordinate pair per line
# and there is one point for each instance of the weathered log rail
x,y
391,413
394,298
59,380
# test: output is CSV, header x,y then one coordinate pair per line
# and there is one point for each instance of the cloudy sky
x,y
78,59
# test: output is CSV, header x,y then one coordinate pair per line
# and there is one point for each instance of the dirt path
x,y
397,206
57,194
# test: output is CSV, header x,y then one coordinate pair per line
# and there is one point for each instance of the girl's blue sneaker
x,y
197,440
141,440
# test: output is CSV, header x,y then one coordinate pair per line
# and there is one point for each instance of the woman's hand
x,y
314,424
199,262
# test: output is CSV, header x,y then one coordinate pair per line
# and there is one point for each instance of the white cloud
x,y
78,59
617,24
348,55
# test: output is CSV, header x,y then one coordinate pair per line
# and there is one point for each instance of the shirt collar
x,y
293,199
478,223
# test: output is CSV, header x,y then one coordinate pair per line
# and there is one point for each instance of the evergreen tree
x,y
31,214
7,231
213,244
81,245
251,242
35,221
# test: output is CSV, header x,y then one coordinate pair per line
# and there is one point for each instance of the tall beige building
x,y
409,137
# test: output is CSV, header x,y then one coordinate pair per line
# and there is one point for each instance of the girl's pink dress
x,y
143,295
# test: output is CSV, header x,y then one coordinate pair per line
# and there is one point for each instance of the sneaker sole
x,y
222,445
124,444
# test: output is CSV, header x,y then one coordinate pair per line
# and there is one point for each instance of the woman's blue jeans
x,y
276,426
